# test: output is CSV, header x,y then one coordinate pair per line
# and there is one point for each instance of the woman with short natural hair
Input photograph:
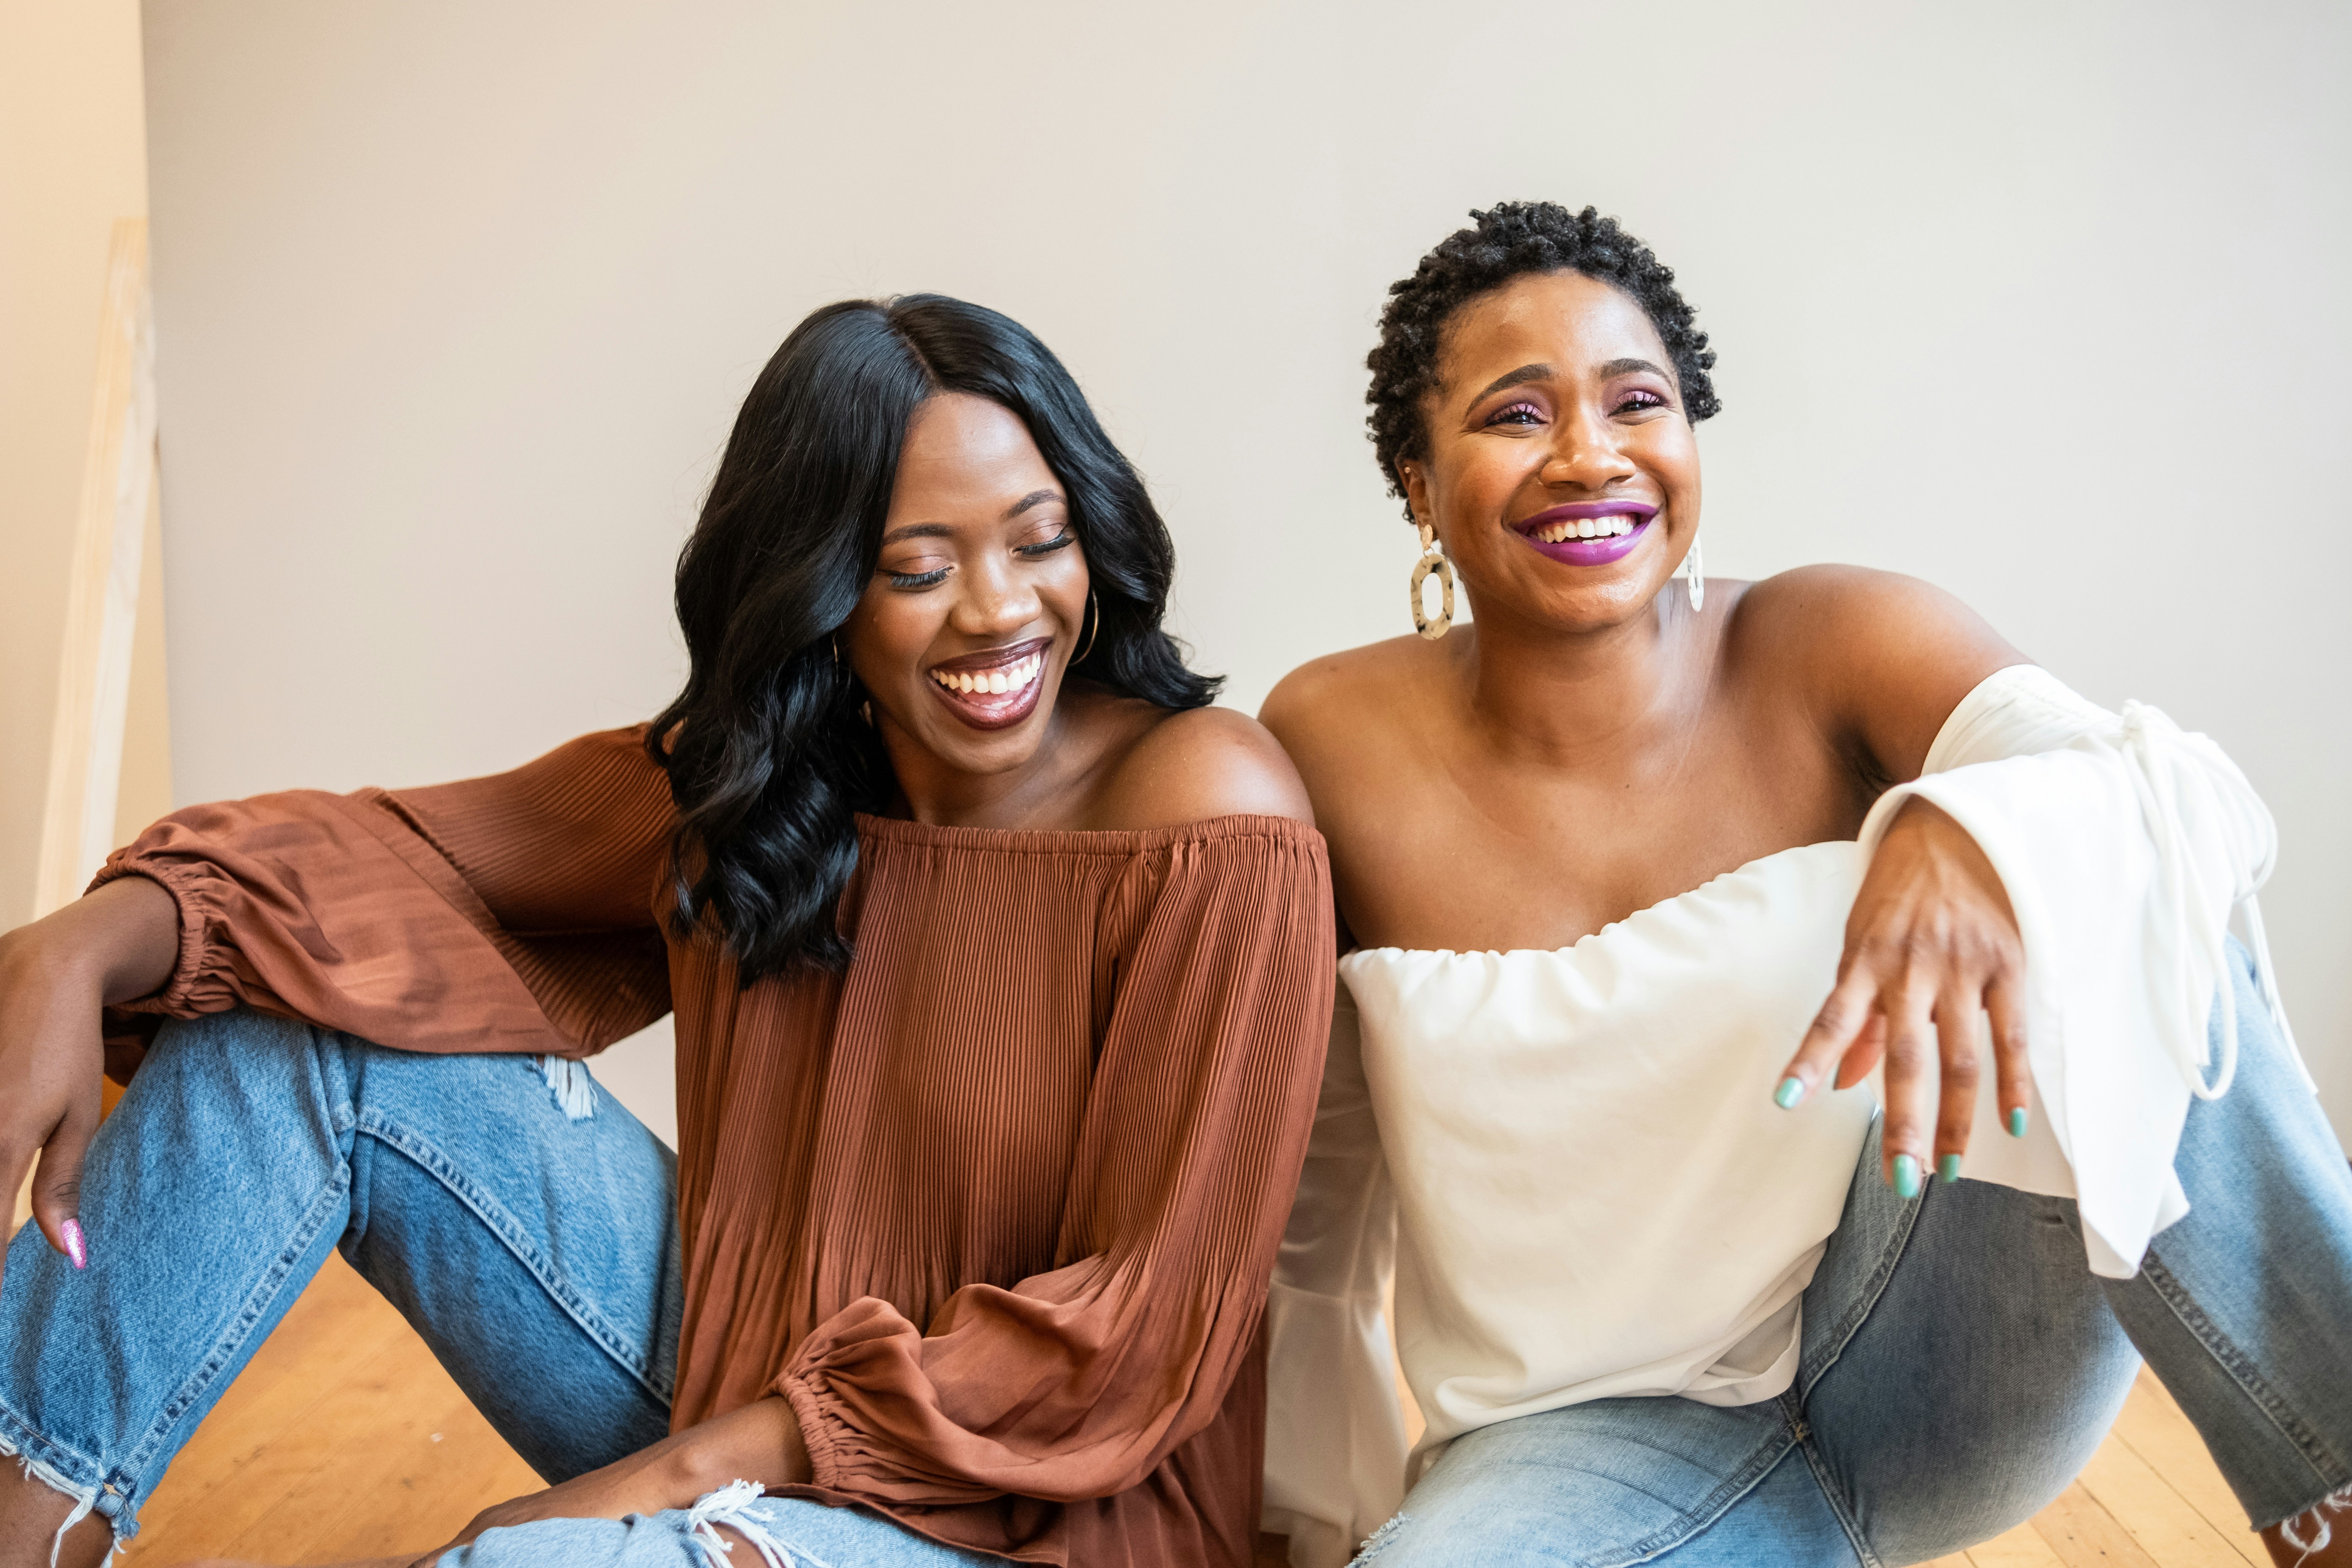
x,y
1001,969
1643,877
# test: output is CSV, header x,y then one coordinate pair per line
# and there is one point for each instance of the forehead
x,y
962,450
1562,319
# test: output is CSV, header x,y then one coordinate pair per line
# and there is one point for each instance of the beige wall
x,y
73,159
2041,302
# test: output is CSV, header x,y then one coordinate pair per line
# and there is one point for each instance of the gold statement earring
x,y
1433,559
1094,628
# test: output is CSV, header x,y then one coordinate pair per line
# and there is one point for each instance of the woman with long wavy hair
x,y
1001,971
1643,877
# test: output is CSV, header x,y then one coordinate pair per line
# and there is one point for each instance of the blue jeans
x,y
1960,1365
536,1253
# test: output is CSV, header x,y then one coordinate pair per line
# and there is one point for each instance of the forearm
x,y
757,1442
122,941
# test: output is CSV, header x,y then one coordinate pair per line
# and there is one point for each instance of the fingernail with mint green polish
x,y
1792,1089
2017,1122
1906,1177
1948,1169
76,1249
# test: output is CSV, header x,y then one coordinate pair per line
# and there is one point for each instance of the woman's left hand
x,y
1931,946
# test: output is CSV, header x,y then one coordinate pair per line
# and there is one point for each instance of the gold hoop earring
x,y
1433,559
1094,628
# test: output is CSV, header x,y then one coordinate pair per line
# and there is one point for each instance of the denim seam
x,y
1810,1374
1712,1507
2242,1370
334,1197
1833,1494
509,1231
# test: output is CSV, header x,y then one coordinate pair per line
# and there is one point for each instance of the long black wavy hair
x,y
767,754
1510,240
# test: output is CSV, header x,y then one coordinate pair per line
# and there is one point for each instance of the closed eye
x,y
1047,547
913,580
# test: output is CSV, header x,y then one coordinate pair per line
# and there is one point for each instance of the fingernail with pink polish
x,y
74,1248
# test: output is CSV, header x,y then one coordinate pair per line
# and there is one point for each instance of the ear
x,y
1417,492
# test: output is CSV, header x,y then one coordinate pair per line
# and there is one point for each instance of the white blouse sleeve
x,y
2126,846
1335,1445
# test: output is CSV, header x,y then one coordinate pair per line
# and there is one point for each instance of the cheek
x,y
888,632
1064,583
1673,456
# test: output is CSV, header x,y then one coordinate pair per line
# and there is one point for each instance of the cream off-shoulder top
x,y
1571,1164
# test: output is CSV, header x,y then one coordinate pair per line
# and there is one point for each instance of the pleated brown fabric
x,y
995,1210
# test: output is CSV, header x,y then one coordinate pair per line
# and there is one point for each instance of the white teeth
x,y
1609,527
993,682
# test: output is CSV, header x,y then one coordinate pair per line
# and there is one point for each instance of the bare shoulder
x,y
1197,764
1845,605
1876,656
1325,709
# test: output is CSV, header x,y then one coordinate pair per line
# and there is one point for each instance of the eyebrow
x,y
941,531
1528,372
1519,377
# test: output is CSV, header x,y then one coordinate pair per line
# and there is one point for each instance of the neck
x,y
1036,792
1544,695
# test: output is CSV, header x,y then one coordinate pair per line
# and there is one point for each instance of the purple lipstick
x,y
1588,534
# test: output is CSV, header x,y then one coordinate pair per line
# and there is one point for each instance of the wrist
x,y
128,931
756,1442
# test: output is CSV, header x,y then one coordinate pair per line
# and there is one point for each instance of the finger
x,y
1959,1032
2005,1001
16,1165
1834,1030
56,1186
1912,1068
1869,1050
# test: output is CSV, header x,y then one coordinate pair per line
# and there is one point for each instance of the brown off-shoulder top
x,y
994,1209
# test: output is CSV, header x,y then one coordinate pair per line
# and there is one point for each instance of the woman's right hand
x,y
114,945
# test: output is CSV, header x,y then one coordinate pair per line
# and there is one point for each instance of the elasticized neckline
x,y
1088,841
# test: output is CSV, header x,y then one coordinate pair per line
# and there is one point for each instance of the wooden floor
x,y
345,1439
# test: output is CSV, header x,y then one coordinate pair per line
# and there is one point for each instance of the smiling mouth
x,y
1591,534
996,689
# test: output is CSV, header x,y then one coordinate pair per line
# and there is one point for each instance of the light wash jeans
x,y
537,1254
1960,1365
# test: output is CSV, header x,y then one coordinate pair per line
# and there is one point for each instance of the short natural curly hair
x,y
1507,241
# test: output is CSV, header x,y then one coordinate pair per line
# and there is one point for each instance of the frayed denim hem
x,y
730,1506
85,1499
2311,1530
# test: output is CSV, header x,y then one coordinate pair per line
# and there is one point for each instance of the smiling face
x,y
1561,472
979,597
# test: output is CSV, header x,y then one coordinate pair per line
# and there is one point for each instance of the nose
x,y
1585,454
996,601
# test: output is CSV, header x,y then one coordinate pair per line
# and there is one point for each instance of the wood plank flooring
x,y
345,1439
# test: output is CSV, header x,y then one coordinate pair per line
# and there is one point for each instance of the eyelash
x,y
1639,398
1047,547
912,580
